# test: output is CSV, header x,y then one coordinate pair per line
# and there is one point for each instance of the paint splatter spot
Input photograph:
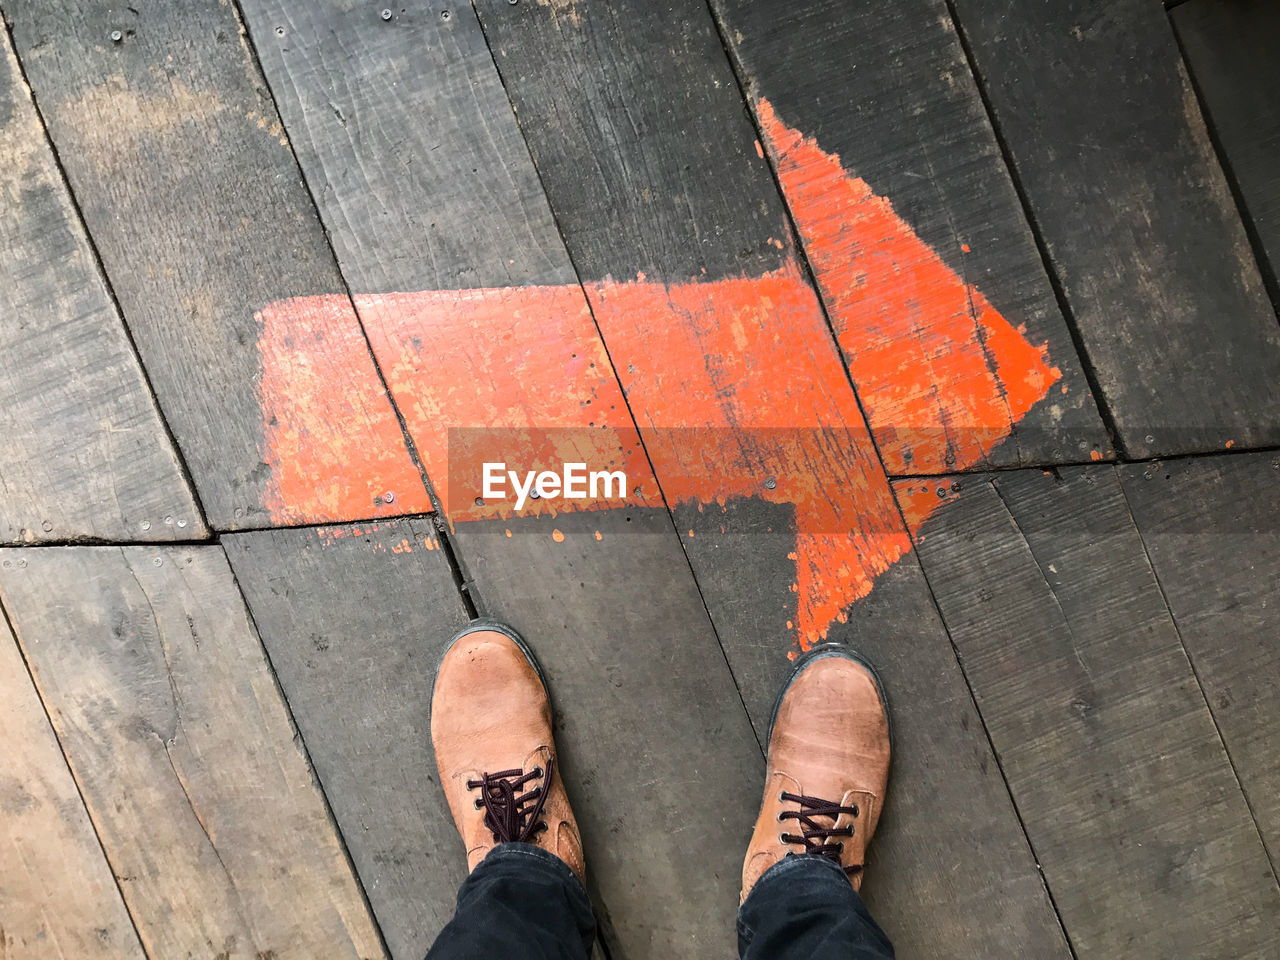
x,y
557,536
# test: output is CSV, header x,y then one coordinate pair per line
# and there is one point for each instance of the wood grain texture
x,y
949,845
355,619
185,753
84,455
888,91
1107,139
454,187
1230,49
1103,733
1212,530
189,189
57,896
603,597
647,718
751,424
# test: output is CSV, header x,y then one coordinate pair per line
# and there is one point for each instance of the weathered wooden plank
x,y
914,231
1104,736
747,414
57,895
177,157
354,619
520,371
1106,137
182,746
1212,530
1230,49
85,453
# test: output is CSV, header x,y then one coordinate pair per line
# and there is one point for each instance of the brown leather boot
x,y
828,765
491,728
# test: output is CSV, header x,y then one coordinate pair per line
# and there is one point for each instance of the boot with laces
x,y
491,729
828,766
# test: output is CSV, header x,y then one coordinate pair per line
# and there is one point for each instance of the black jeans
x,y
523,903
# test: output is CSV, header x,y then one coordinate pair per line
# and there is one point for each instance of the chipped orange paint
x,y
943,376
738,383
918,499
735,382
330,437
503,374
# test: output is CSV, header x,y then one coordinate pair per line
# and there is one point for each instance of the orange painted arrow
x,y
735,384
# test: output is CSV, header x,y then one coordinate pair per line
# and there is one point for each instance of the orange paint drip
x,y
513,375
330,436
741,394
943,376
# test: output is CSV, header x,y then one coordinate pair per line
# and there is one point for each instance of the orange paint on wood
x,y
740,393
506,374
736,385
330,437
943,376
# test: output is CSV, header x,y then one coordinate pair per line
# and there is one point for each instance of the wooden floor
x,y
943,328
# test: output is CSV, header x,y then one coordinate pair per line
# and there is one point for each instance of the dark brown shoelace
x,y
815,837
510,816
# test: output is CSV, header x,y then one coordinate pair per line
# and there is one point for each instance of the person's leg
x,y
491,729
520,902
824,789
805,908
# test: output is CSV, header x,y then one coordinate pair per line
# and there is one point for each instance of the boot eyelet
x,y
479,804
855,809
781,817
537,771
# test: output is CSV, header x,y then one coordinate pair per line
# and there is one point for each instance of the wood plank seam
x,y
1064,464
613,370
1195,672
462,581
115,879
593,304
1265,267
304,787
1059,292
315,779
107,283
986,731
800,248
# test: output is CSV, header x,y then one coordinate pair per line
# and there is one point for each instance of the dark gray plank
x,y
948,847
1102,731
1106,137
85,455
419,124
1230,48
747,414
354,619
184,751
915,232
189,189
57,895
1212,529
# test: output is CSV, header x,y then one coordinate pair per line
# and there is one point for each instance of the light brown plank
x,y
174,728
57,896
